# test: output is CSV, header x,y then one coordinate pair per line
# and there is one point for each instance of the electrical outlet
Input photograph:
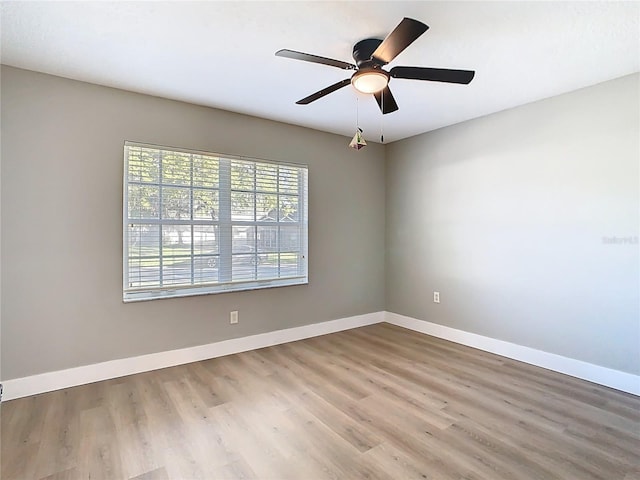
x,y
233,317
436,297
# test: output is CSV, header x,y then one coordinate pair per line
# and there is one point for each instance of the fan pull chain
x,y
382,116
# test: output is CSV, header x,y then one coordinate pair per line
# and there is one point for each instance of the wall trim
x,y
46,382
607,377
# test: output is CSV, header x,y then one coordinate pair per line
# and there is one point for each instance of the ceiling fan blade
x,y
433,74
307,57
407,32
324,91
385,100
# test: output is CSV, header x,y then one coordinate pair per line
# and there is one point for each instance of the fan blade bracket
x,y
307,57
405,33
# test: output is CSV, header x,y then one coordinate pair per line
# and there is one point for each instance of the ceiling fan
x,y
371,55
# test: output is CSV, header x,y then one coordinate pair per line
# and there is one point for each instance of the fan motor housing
x,y
363,50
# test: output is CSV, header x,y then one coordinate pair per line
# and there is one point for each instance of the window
x,y
198,223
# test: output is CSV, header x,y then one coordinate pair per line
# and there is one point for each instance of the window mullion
x,y
302,220
160,217
278,233
255,219
225,243
191,227
126,283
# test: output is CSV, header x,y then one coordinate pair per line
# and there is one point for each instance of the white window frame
x,y
225,282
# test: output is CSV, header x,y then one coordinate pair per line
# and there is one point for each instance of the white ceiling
x,y
221,54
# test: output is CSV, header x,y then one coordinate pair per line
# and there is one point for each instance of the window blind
x,y
198,223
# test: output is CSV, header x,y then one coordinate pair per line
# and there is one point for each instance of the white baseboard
x,y
608,377
46,382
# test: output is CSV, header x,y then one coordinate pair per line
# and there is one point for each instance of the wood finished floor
x,y
378,402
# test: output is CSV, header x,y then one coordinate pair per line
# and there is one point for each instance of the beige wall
x,y
62,166
508,216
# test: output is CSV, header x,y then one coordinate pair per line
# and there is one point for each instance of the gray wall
x,y
62,166
505,215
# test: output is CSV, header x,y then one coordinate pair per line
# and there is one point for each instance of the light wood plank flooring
x,y
378,402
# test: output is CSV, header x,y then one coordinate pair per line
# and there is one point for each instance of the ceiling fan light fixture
x,y
370,81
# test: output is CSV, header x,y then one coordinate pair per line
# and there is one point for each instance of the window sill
x,y
190,291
